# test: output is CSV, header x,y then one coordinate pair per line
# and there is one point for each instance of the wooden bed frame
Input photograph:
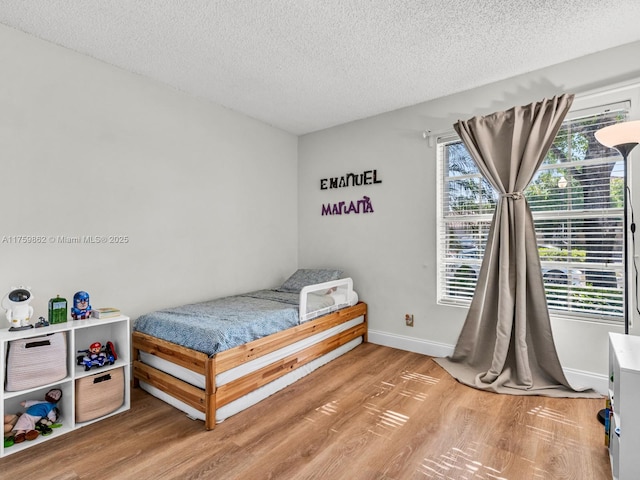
x,y
208,399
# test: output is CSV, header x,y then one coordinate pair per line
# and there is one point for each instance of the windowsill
x,y
553,314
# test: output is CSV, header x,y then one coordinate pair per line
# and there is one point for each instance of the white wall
x,y
206,197
391,253
213,202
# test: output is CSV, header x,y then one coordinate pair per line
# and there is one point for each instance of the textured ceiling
x,y
305,65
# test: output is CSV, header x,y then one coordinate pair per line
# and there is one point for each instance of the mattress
x,y
221,324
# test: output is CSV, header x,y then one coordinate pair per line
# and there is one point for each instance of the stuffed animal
x,y
25,427
45,426
9,423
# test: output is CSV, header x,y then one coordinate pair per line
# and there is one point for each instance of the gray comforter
x,y
217,325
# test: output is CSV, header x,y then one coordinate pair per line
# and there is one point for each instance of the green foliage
x,y
553,254
587,298
617,192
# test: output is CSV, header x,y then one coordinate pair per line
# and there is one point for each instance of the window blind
x,y
576,199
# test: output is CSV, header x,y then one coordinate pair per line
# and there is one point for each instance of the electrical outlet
x,y
408,319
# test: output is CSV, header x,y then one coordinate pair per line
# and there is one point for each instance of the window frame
x,y
447,138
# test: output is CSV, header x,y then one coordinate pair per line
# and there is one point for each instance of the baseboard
x,y
581,379
409,344
577,378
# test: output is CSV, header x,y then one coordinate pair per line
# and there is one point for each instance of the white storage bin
x,y
36,361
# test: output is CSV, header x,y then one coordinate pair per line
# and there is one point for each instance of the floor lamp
x,y
623,137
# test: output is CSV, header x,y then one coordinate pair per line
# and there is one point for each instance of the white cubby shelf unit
x,y
80,334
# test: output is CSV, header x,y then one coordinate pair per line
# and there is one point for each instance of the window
x,y
576,198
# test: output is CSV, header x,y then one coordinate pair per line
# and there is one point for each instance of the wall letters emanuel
x,y
368,177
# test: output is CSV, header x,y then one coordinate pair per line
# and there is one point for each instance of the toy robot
x,y
19,312
81,308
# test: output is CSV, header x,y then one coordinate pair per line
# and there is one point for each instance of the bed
x,y
214,359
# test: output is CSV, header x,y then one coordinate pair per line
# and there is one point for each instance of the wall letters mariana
x,y
363,205
359,206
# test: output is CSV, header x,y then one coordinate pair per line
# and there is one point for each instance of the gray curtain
x,y
506,344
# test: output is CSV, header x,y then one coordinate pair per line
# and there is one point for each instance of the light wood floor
x,y
375,413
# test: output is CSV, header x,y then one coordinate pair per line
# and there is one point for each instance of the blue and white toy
x,y
19,312
81,307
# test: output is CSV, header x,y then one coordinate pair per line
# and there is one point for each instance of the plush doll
x,y
9,423
45,426
25,427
